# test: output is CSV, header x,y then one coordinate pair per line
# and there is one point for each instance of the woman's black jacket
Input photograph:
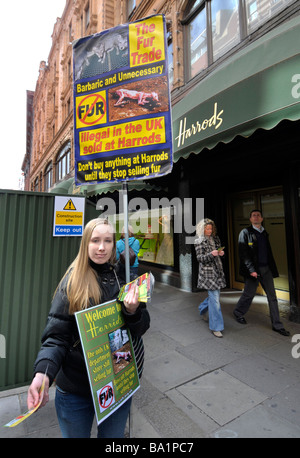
x,y
61,352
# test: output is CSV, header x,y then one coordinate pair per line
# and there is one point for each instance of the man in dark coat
x,y
257,265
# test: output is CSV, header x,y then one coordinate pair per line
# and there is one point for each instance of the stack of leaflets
x,y
145,285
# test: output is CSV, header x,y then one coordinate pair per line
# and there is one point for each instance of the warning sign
x,y
68,216
70,205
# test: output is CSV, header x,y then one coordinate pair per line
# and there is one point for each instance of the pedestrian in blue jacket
x,y
134,244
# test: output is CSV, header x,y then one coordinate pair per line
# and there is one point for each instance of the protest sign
x,y
109,357
122,115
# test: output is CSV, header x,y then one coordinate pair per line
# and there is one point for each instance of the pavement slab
x,y
221,396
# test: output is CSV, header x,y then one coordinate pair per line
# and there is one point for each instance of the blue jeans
x,y
76,415
212,304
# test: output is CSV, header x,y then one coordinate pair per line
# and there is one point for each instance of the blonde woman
x,y
211,276
91,279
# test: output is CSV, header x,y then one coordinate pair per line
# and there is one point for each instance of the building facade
x,y
51,155
234,71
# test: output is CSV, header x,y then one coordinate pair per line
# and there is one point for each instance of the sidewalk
x,y
194,385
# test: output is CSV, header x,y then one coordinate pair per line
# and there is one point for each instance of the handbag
x,y
132,256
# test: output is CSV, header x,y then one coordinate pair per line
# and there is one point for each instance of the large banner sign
x,y
122,114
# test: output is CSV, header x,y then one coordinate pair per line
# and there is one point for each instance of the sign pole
x,y
125,206
127,265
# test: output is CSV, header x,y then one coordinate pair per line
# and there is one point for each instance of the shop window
x,y
63,162
225,26
260,11
154,230
48,177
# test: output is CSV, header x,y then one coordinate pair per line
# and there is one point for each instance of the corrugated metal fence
x,y
32,263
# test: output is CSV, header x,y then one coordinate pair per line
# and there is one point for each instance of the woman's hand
x,y
217,253
33,396
131,301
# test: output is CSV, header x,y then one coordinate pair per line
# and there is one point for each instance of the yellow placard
x,y
129,135
146,39
91,110
65,217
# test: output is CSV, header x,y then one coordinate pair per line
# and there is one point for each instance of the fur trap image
x,y
138,98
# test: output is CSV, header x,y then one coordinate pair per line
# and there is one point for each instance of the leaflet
x,y
145,285
27,414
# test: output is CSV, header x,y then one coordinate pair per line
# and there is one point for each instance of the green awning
x,y
256,88
62,187
104,188
68,187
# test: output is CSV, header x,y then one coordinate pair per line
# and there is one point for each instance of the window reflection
x,y
198,43
260,11
63,162
225,26
48,177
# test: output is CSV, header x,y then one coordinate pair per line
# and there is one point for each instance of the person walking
x,y
93,278
210,276
257,265
134,244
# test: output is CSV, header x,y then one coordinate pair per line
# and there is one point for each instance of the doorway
x,y
270,201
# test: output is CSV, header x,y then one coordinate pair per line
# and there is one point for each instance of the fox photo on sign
x,y
109,357
122,113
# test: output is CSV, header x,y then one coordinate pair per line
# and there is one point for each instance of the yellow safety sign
x,y
68,217
69,205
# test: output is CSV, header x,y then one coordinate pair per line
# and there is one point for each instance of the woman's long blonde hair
x,y
82,286
202,224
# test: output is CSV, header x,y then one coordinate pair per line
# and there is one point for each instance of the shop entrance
x,y
270,201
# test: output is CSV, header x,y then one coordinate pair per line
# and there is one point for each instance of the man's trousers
x,y
265,278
